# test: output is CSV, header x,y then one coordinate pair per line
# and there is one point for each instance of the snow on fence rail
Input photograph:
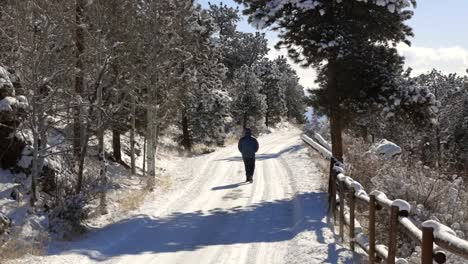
x,y
322,150
322,141
434,237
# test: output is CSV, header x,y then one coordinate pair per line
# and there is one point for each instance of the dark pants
x,y
249,167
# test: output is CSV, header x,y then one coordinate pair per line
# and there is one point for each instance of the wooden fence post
x,y
372,229
342,208
333,196
393,235
330,183
427,245
352,208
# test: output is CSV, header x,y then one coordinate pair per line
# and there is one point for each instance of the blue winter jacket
x,y
248,146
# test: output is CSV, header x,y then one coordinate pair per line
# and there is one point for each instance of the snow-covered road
x,y
211,216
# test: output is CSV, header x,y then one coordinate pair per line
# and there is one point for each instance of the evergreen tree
x,y
239,48
318,31
243,49
225,18
294,92
273,89
249,105
202,98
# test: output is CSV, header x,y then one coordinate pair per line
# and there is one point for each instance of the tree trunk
x,y
244,121
336,128
79,84
144,158
186,140
40,144
116,145
438,146
151,115
35,161
336,136
102,155
79,77
132,137
102,173
83,147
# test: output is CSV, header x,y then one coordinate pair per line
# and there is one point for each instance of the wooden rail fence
x,y
344,195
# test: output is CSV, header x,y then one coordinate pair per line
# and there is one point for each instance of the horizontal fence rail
x,y
344,193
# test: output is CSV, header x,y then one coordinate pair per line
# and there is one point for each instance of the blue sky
x,y
441,37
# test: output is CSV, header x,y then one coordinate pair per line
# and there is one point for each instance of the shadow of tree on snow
x,y
267,156
187,231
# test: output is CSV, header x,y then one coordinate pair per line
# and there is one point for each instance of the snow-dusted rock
x,y
386,149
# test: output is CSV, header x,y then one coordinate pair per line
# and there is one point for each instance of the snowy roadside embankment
x,y
316,242
28,231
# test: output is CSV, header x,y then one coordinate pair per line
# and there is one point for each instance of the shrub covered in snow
x,y
12,112
432,195
66,219
6,86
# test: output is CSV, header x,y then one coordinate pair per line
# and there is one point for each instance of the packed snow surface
x,y
209,215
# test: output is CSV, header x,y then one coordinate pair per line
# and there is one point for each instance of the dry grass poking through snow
x,y
16,247
164,182
200,149
323,165
135,198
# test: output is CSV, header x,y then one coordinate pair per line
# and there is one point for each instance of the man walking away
x,y
248,146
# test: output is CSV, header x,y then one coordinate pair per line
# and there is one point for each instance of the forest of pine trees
x,y
74,74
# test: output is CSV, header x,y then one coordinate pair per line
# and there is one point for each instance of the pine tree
x,y
225,18
249,104
238,48
318,31
293,91
242,49
203,100
273,89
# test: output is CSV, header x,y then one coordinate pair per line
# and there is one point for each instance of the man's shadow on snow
x,y
262,222
229,186
268,156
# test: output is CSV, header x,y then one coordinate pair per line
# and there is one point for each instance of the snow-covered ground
x,y
208,215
